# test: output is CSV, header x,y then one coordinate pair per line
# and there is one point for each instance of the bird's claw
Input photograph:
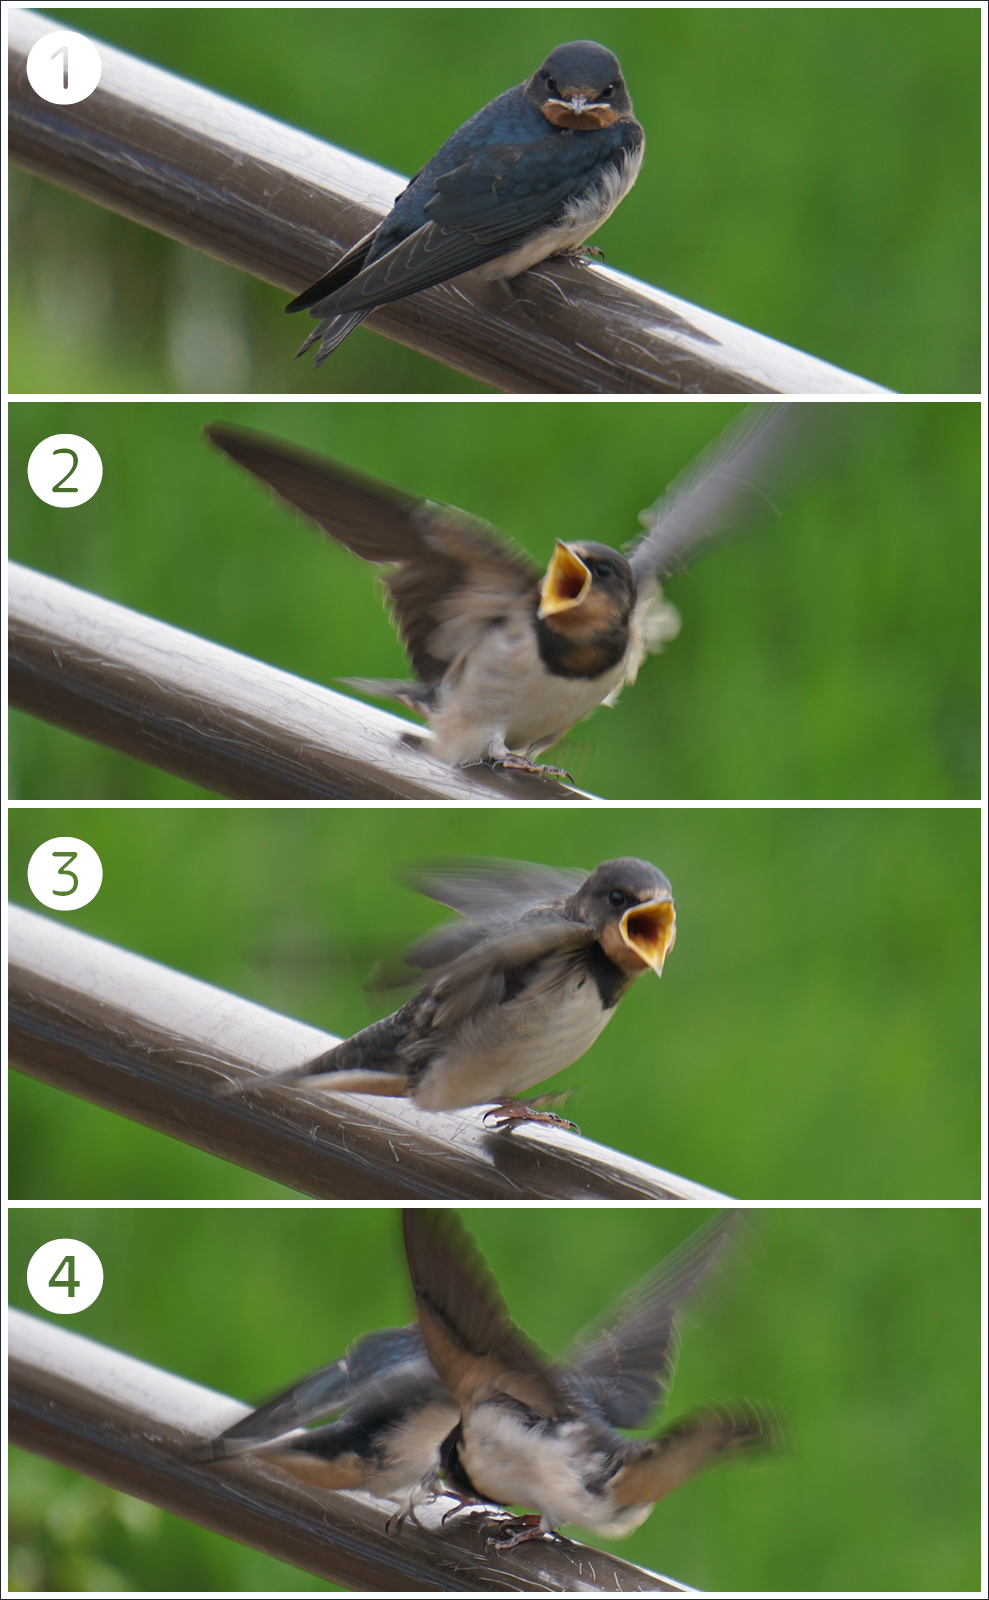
x,y
509,1113
510,1531
514,763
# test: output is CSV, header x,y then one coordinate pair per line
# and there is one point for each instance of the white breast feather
x,y
510,1047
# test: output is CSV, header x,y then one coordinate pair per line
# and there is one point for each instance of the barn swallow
x,y
531,175
396,1414
519,988
534,1434
508,661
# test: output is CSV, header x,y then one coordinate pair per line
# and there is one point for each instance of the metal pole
x,y
131,1425
219,719
282,205
152,1044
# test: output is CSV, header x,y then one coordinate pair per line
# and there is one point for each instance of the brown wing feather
x,y
451,573
472,1342
660,1465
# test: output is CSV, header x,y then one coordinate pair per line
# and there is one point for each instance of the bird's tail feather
x,y
411,694
332,331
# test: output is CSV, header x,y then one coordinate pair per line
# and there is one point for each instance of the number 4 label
x,y
65,1276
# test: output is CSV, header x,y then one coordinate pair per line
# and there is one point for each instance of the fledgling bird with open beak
x,y
531,175
507,661
532,1433
396,1414
519,988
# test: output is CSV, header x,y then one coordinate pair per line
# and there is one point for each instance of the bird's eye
x,y
616,898
552,86
603,569
607,92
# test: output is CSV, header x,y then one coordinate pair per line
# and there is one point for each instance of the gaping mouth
x,y
650,930
566,582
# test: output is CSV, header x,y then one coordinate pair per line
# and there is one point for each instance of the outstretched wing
x,y
472,1342
660,1465
727,483
625,1362
450,571
491,894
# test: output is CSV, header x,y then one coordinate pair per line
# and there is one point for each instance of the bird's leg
x,y
517,1530
500,756
462,1500
509,1113
406,1513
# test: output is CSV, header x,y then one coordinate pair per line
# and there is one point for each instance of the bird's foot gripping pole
x,y
513,763
510,1113
506,1533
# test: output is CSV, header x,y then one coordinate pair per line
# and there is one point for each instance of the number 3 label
x,y
65,1276
65,470
65,874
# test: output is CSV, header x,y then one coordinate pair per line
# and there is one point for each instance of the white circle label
x,y
65,470
64,68
65,1275
65,874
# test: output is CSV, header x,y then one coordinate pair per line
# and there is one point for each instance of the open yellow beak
x,y
650,930
566,582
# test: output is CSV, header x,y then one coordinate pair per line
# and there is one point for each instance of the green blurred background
x,y
814,1034
861,1327
812,173
833,652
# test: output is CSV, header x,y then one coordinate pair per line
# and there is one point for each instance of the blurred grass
x,y
811,173
814,1035
832,652
862,1327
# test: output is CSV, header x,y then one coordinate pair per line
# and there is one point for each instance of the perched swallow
x,y
507,662
396,1414
531,1433
532,175
520,988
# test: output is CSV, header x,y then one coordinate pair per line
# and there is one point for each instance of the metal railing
x,y
132,1426
219,719
280,204
164,1049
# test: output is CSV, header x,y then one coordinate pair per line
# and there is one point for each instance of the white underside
x,y
510,1047
413,1452
505,695
512,1463
583,215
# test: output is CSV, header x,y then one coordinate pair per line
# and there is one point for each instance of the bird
x,y
508,661
519,987
396,1414
533,1433
531,175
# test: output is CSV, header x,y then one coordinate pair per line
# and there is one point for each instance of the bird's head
x,y
580,86
630,905
588,589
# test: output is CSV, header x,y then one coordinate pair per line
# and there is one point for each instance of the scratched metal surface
x,y
132,1426
153,1044
201,712
281,205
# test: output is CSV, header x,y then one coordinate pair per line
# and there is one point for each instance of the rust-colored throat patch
x,y
562,115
